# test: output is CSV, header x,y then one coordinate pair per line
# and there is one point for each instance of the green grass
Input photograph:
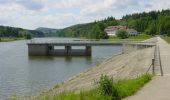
x,y
139,37
83,95
108,89
166,38
7,39
131,86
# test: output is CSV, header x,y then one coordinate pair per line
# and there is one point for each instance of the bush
x,y
122,34
107,87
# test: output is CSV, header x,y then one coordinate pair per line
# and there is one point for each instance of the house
x,y
132,32
111,30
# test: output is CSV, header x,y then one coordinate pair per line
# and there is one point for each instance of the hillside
x,y
151,23
6,31
48,31
89,30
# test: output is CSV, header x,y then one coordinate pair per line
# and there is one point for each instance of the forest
x,y
6,31
151,23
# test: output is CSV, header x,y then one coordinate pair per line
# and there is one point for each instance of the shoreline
x,y
10,39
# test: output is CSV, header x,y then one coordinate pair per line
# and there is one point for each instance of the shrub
x,y
122,34
107,87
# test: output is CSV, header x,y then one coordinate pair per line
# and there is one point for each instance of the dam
x,y
48,48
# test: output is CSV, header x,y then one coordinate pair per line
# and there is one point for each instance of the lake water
x,y
22,75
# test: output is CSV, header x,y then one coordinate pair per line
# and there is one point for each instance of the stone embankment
x,y
126,65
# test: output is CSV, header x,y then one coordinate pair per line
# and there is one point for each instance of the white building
x,y
111,30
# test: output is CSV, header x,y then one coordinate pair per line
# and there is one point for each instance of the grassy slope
x,y
124,88
167,39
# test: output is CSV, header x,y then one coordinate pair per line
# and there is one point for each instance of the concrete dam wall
x,y
50,50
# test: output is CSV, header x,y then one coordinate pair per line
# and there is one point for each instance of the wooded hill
x,y
152,23
89,30
6,31
48,32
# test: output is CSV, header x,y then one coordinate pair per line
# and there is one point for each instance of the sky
x,y
30,14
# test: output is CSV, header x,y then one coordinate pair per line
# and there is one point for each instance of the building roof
x,y
113,28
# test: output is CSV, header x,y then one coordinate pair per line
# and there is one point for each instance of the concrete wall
x,y
45,50
48,50
37,50
73,52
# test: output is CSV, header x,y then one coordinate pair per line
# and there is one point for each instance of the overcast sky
x,y
31,14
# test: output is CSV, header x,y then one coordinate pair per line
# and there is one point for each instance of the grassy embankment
x,y
7,39
108,89
139,37
166,38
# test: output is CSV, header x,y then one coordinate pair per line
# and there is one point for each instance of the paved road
x,y
159,87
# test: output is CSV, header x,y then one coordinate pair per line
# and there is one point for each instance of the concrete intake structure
x,y
48,49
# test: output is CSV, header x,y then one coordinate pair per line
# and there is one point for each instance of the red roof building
x,y
111,30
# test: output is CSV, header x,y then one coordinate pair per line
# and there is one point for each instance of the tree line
x,y
89,30
151,23
6,31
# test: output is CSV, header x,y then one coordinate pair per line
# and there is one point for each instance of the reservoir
x,y
22,75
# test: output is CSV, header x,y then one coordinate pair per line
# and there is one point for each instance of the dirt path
x,y
159,87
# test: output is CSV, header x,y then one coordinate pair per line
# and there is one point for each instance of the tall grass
x,y
130,86
107,89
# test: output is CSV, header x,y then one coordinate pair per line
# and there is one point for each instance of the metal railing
x,y
160,62
153,63
156,51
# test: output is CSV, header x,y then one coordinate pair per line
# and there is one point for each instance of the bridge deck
x,y
87,43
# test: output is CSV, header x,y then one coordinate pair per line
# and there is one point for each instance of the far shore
x,y
8,39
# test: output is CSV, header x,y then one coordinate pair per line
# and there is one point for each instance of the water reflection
x,y
51,58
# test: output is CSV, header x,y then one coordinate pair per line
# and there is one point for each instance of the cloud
x,y
62,13
27,4
30,4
